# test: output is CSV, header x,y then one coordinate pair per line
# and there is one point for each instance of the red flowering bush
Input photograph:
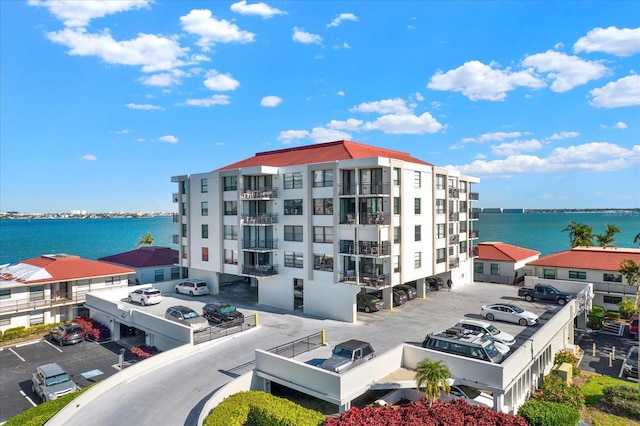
x,y
144,351
94,330
455,413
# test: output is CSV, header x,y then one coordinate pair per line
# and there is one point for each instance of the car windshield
x,y
342,352
633,355
74,329
472,393
493,330
57,379
227,309
190,314
492,351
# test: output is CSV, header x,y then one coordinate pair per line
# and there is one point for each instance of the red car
x,y
633,326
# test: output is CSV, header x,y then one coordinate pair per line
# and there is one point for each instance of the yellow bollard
x,y
256,320
324,337
593,352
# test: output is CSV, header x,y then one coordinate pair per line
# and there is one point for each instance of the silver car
x,y
487,328
187,316
51,381
509,313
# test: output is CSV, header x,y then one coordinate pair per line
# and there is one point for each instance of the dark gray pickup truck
x,y
544,292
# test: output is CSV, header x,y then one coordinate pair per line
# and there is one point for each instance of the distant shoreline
x,y
38,216
499,210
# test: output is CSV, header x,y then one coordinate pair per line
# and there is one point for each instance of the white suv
x,y
146,296
193,287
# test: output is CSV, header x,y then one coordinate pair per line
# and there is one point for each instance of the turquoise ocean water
x,y
95,238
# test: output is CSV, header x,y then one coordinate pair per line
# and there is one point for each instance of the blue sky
x,y
102,102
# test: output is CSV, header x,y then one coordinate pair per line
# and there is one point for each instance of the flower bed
x,y
144,351
94,330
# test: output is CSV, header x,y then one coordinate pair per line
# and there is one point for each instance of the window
x,y
36,319
183,187
183,250
322,262
463,186
184,229
417,260
292,233
440,206
322,178
205,231
440,179
478,267
323,234
614,300
230,183
205,254
293,180
230,257
204,208
463,206
463,246
5,293
416,205
441,255
204,185
396,235
230,208
417,180
440,230
463,226
184,209
112,281
158,275
5,321
230,232
293,207
293,259
175,273
578,275
549,274
418,233
396,205
495,269
616,278
396,263
323,206
396,176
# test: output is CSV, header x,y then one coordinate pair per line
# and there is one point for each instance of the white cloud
x,y
271,101
207,102
160,80
287,136
340,93
342,18
385,106
618,42
151,52
168,139
210,30
565,71
516,147
350,124
259,9
405,124
495,136
619,93
145,107
322,134
563,135
121,132
89,157
220,82
304,37
140,140
420,98
621,125
478,81
80,13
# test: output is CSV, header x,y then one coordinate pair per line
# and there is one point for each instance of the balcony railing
x,y
454,193
474,234
370,248
365,279
176,218
29,304
346,189
474,215
374,188
176,239
260,270
260,194
377,218
454,216
474,196
175,197
454,239
454,262
260,219
260,244
473,251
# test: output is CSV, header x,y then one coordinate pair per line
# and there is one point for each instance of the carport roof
x,y
504,252
144,257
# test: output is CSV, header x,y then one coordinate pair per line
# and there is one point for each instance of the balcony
x,y
474,234
474,196
454,193
374,249
260,245
377,218
176,218
346,247
260,219
474,215
22,305
175,197
176,239
260,194
473,251
454,262
454,216
346,189
260,270
365,279
454,239
374,188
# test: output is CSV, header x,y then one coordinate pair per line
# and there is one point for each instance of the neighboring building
x,y
151,264
52,288
502,263
332,218
597,265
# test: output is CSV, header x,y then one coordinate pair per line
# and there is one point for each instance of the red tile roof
x,y
144,257
62,267
320,153
594,258
504,252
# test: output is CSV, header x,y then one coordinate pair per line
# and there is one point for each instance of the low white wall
x,y
243,383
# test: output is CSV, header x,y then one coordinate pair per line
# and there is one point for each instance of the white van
x,y
192,288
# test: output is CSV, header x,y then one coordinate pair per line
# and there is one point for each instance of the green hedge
x,y
22,331
543,413
261,409
40,414
622,400
613,315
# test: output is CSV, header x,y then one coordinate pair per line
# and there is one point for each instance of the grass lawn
x,y
591,386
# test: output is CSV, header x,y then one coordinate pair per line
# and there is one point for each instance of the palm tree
x,y
607,240
580,235
145,240
433,375
630,269
636,239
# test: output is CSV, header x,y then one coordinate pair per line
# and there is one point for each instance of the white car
x,y
146,296
473,396
487,328
509,313
193,287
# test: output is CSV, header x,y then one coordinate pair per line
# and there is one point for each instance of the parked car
x,y
630,366
462,342
544,292
146,296
67,334
399,296
471,395
347,355
488,329
223,314
187,316
633,326
509,313
193,287
435,283
51,381
409,289
369,302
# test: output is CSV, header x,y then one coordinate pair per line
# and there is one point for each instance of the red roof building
x,y
151,264
498,262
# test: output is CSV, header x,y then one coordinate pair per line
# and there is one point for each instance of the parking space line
x,y
16,354
28,398
52,345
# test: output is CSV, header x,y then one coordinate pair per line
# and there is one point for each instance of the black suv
x,y
223,314
435,283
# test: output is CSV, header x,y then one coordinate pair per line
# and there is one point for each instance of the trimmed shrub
x,y
261,409
553,389
613,315
15,333
144,351
627,308
596,319
94,330
566,356
597,308
622,401
544,413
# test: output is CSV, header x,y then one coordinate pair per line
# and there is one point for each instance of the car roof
x,y
475,322
353,344
219,304
181,308
51,369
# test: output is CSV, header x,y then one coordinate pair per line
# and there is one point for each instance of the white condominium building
x,y
311,227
